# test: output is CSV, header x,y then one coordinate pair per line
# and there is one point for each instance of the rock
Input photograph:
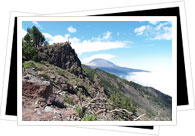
x,y
51,99
26,77
39,72
57,101
63,56
52,76
58,114
39,112
36,88
48,109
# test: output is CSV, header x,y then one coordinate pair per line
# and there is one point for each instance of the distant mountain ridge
x,y
112,68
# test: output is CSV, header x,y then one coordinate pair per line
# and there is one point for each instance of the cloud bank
x,y
92,45
160,80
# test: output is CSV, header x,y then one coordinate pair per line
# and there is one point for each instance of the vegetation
x,y
34,37
31,41
69,100
45,75
90,117
80,111
29,52
121,101
28,64
118,99
90,72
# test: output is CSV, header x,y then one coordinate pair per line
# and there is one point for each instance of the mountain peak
x,y
98,62
112,68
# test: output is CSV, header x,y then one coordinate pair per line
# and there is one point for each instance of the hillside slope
x,y
59,88
157,105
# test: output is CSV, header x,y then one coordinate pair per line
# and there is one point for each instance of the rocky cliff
x,y
61,55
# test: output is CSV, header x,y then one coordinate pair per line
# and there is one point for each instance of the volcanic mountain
x,y
112,68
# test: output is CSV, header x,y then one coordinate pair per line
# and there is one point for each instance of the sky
x,y
135,44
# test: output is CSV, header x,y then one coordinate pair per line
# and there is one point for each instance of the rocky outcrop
x,y
36,88
63,56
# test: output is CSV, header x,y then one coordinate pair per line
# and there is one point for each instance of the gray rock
x,y
39,112
26,77
48,109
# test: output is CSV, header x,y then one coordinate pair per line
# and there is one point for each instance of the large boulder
x,y
36,88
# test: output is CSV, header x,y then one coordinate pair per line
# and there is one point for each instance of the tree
x,y
27,38
29,52
34,37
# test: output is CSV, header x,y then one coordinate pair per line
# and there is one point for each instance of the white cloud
x,y
101,56
46,35
87,45
37,24
162,31
166,35
92,46
56,38
161,25
67,36
153,22
107,35
156,79
140,30
71,29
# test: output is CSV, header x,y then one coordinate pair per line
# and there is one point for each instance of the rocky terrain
x,y
58,87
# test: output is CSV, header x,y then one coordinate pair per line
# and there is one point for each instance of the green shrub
x,y
39,66
121,101
80,111
60,72
90,72
90,117
69,100
45,75
29,64
29,52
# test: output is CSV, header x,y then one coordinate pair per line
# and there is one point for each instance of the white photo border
x,y
92,18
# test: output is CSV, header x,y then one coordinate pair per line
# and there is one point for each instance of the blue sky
x,y
135,44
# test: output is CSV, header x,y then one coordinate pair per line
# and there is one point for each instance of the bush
x,y
80,111
121,101
29,52
68,100
45,75
60,72
90,117
29,64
